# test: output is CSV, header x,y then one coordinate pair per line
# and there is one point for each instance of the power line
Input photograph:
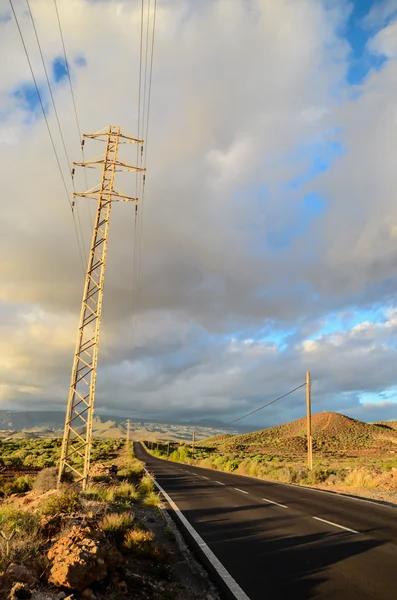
x,y
145,126
68,70
57,119
265,405
48,126
73,100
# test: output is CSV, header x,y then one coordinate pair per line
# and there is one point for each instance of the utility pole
x,y
193,440
77,437
128,434
309,422
168,449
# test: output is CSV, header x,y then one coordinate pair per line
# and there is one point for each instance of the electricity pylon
x,y
76,446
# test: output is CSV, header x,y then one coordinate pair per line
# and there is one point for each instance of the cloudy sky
x,y
270,218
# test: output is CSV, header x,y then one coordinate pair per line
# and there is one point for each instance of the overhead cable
x,y
265,405
48,127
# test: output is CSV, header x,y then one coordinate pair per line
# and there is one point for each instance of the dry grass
x,y
152,499
139,542
46,479
362,478
146,485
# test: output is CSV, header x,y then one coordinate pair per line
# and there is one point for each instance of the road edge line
x,y
215,564
336,525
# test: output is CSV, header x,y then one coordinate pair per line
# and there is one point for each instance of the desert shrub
x,y
180,455
152,499
124,493
19,485
19,520
46,479
232,465
139,543
317,475
132,472
64,502
362,478
146,485
99,493
116,525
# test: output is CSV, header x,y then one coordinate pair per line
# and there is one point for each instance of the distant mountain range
x,y
30,424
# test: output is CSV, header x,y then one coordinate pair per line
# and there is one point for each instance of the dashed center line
x,y
203,477
336,525
276,503
219,482
242,491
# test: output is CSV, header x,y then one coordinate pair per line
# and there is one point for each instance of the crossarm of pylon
x,y
104,133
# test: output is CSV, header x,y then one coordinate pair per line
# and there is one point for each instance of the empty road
x,y
280,541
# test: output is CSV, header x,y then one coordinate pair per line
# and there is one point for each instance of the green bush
x,y
64,502
20,520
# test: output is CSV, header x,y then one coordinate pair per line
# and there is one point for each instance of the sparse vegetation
x,y
116,525
152,499
347,454
46,479
67,501
139,542
146,485
45,526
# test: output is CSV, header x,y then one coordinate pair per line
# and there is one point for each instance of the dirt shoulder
x,y
112,542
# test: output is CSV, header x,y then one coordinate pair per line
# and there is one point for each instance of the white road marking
x,y
273,502
203,477
242,491
231,583
336,525
220,482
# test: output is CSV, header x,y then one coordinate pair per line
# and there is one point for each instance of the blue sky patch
x,y
80,61
59,69
5,17
26,98
358,32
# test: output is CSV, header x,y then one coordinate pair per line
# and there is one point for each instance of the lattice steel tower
x,y
76,446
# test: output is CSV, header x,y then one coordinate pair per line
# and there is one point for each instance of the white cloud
x,y
237,92
385,42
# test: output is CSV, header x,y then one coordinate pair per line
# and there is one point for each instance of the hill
x,y
387,424
332,433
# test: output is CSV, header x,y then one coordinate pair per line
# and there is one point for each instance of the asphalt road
x,y
279,541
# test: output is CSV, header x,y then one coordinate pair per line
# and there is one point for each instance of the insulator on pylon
x,y
141,150
144,179
73,203
82,143
73,172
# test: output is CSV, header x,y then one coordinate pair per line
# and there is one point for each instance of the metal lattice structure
x,y
76,446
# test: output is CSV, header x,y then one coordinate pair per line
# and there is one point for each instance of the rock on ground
x,y
81,558
20,574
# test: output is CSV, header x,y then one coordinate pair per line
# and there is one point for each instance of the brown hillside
x,y
332,432
387,424
216,440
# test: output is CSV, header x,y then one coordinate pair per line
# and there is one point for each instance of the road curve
x,y
279,541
